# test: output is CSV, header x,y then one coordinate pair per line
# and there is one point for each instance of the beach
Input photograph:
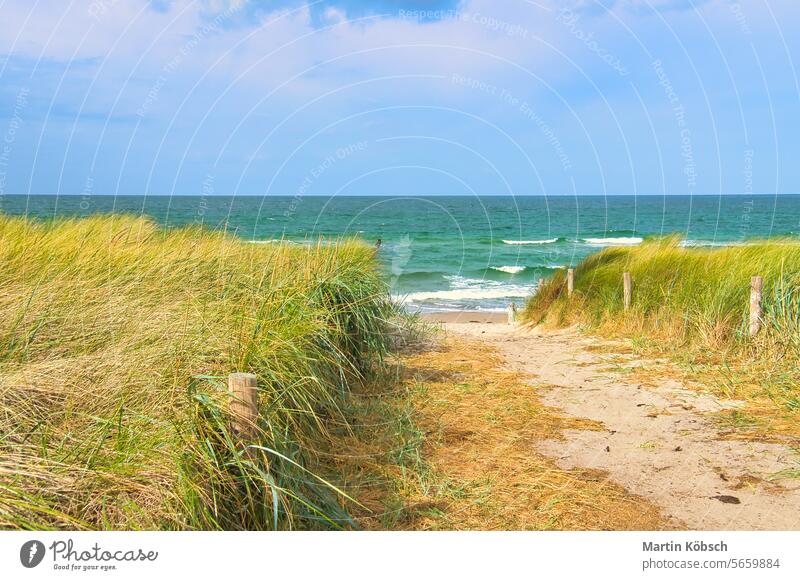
x,y
583,414
442,266
658,440
467,317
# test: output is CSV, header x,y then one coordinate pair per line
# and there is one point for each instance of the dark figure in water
x,y
378,244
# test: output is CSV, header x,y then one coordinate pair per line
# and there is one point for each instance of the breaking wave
x,y
530,242
632,241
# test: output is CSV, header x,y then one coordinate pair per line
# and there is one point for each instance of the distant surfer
x,y
378,245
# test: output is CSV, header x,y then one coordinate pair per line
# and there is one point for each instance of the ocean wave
x,y
457,308
530,242
471,289
458,282
632,241
509,269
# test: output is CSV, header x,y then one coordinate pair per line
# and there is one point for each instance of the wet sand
x,y
467,317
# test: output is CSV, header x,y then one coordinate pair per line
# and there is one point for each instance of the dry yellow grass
x,y
472,462
762,418
116,336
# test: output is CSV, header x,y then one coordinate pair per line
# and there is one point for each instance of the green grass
x,y
693,295
693,303
115,340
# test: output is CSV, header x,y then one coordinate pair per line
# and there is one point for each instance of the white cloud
x,y
126,31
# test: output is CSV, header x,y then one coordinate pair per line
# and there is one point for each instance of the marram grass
x,y
695,303
692,294
115,340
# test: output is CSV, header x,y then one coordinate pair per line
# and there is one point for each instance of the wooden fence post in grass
x,y
756,312
512,313
570,281
244,404
626,289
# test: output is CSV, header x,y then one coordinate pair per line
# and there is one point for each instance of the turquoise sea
x,y
457,253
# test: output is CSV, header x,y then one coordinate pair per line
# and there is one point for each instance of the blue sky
x,y
400,98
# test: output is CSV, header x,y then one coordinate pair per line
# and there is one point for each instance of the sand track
x,y
659,442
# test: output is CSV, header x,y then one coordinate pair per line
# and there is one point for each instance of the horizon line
x,y
421,195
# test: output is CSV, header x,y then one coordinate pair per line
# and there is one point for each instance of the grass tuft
x,y
115,340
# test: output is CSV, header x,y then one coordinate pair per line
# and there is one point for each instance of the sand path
x,y
659,441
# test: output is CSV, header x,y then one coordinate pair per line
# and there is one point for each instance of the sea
x,y
450,253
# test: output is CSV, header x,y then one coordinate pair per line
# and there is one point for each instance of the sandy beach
x,y
467,317
659,438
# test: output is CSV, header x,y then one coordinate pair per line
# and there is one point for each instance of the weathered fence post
x,y
626,289
756,312
244,404
512,313
570,281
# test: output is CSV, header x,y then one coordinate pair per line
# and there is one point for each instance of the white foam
x,y
530,242
613,241
509,269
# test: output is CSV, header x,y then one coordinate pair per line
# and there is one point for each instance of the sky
x,y
347,97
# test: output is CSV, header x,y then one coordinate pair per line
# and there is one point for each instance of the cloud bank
x,y
523,97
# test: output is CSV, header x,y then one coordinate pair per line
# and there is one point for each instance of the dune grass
x,y
115,340
693,303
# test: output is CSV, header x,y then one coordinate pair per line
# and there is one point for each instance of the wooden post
x,y
570,281
244,404
512,313
756,312
626,289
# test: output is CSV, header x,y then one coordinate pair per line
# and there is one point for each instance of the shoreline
x,y
466,317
